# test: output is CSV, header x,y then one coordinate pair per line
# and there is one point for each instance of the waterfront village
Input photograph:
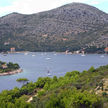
x,y
80,51
13,50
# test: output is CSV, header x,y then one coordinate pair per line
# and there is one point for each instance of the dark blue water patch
x,y
38,64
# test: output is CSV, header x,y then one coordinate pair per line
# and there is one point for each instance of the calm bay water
x,y
37,64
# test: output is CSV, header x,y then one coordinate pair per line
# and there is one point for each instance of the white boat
x,y
48,58
48,73
33,55
55,54
102,56
83,55
25,53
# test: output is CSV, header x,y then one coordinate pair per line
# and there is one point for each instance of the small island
x,y
9,68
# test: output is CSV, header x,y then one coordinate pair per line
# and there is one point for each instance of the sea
x,y
47,64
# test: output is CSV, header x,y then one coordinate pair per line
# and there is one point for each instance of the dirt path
x,y
105,87
30,99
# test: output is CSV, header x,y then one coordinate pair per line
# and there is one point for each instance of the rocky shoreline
x,y
11,72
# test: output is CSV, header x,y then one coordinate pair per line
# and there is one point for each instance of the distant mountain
x,y
73,26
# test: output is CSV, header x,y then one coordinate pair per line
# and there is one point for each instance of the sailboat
x,y
48,73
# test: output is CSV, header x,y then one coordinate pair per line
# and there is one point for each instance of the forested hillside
x,y
87,89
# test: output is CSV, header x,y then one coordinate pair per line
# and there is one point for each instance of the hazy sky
x,y
34,6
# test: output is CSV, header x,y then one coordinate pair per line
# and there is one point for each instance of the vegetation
x,y
22,80
7,67
74,90
69,27
94,49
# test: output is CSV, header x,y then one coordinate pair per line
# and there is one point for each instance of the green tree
x,y
92,69
22,80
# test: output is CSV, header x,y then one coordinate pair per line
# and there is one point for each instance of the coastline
x,y
63,52
11,72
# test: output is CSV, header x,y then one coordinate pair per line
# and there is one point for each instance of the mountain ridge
x,y
73,26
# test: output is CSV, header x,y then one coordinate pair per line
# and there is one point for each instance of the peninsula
x,y
9,68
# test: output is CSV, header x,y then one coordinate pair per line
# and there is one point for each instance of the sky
x,y
35,6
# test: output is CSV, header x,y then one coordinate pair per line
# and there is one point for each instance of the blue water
x,y
37,64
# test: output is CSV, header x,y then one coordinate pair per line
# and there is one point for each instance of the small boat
x,y
83,55
25,53
48,58
33,55
48,73
55,54
102,56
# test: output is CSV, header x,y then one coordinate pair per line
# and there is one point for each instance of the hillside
x,y
87,89
72,26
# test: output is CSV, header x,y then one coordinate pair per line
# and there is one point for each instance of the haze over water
x,y
38,64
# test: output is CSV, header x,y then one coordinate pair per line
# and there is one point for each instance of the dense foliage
x,y
74,90
7,67
22,80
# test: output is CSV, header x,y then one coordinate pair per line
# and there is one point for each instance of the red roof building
x,y
106,49
12,49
